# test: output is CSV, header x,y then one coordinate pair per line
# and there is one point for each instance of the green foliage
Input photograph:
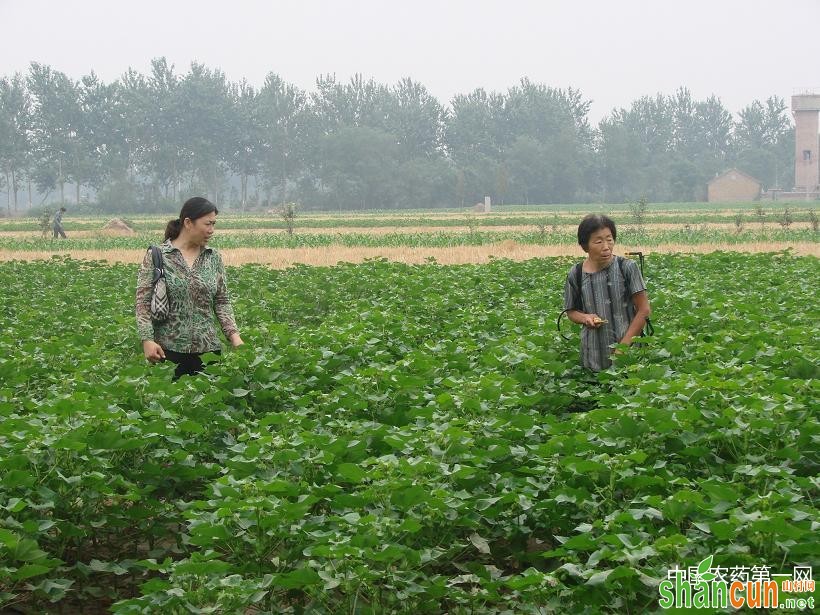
x,y
288,214
637,211
760,212
143,142
404,438
471,236
785,219
44,222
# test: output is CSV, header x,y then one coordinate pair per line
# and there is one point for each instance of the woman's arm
x,y
642,312
145,326
223,308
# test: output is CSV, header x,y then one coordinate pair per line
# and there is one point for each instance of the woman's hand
x,y
153,351
593,321
235,340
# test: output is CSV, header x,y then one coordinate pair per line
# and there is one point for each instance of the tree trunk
x,y
77,177
14,188
30,204
8,192
244,190
284,176
62,182
175,179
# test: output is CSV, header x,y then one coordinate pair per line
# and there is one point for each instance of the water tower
x,y
806,111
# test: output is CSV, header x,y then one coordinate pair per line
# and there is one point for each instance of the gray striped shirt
x,y
623,278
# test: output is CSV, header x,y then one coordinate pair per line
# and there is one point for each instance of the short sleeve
x,y
570,290
632,277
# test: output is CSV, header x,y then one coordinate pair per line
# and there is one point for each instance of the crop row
x,y
627,236
404,438
771,216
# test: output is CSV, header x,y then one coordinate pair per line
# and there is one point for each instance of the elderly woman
x,y
197,290
605,293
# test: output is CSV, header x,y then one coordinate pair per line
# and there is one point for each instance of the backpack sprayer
x,y
577,299
648,329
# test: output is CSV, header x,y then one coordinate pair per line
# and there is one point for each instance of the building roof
x,y
734,170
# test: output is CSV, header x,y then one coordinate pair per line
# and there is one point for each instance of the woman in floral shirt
x,y
195,277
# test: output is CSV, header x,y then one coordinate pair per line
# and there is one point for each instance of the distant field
x,y
515,215
446,235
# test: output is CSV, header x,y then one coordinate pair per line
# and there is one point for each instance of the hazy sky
x,y
614,51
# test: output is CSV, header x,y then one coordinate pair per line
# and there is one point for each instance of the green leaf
x,y
17,478
408,497
54,589
189,426
479,543
30,570
410,525
599,577
28,550
297,579
15,505
8,539
350,472
210,567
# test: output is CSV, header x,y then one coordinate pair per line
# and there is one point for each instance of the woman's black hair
x,y
194,208
592,223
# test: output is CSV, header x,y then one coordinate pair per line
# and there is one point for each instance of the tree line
x,y
143,142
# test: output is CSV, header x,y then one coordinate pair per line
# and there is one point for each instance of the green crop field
x,y
226,240
524,216
402,438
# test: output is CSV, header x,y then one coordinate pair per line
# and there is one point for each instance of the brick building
x,y
732,186
806,111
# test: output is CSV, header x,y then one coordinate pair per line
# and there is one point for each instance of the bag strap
x,y
648,328
578,299
577,296
159,264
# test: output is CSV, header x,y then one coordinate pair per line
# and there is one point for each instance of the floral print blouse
x,y
195,294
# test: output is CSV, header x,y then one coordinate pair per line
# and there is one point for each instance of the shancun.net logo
x,y
755,587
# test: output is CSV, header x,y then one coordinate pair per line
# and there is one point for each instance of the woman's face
x,y
201,229
600,246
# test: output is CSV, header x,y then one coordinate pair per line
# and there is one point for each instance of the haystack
x,y
116,226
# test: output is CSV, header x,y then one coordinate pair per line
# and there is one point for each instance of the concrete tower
x,y
806,110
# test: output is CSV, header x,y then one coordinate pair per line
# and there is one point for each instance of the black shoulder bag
x,y
160,306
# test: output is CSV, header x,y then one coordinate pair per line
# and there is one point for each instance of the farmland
x,y
406,437
449,236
